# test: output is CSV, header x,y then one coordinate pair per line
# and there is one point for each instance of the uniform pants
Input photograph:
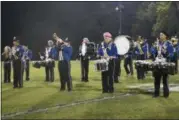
x,y
49,70
84,69
153,59
27,70
64,68
176,64
7,72
158,76
117,71
128,63
108,78
140,72
18,71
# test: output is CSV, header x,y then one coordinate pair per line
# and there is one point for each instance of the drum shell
x,y
36,65
137,65
150,67
165,68
171,69
101,66
43,63
50,64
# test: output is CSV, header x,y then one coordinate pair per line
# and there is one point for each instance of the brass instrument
x,y
174,40
7,52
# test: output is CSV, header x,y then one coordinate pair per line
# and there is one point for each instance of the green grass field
x,y
38,94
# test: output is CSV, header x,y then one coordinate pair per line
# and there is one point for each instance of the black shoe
x,y
111,91
105,92
27,79
20,86
15,87
166,96
69,90
116,81
155,96
62,89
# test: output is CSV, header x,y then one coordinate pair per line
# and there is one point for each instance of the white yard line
x,y
150,87
6,116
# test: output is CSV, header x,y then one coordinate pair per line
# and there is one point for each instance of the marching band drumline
x,y
163,53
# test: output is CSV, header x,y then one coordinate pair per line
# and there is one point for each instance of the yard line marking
x,y
9,115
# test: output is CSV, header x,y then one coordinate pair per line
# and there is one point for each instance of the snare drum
x,y
171,69
101,65
51,63
43,63
36,64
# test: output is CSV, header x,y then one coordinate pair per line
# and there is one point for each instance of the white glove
x,y
41,57
125,56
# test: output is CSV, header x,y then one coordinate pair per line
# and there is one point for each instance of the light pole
x,y
119,8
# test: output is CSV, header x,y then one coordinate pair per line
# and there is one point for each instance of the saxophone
x,y
140,49
7,52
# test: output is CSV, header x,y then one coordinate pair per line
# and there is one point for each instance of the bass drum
x,y
90,48
123,43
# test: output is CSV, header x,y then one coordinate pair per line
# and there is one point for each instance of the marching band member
x,y
140,56
175,57
7,55
128,61
108,51
165,49
64,66
145,49
17,54
27,57
50,54
84,59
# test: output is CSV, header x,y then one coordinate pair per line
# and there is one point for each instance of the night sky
x,y
35,22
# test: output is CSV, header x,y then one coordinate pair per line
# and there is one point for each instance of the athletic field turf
x,y
42,100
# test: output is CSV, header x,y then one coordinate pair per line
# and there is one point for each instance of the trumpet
x,y
57,38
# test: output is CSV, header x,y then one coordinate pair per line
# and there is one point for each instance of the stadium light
x,y
119,8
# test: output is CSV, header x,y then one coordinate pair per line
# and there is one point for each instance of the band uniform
x,y
7,57
18,66
108,50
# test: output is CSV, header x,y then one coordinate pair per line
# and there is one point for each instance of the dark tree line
x,y
152,17
35,22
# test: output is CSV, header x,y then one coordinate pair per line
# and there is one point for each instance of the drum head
x,y
122,44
